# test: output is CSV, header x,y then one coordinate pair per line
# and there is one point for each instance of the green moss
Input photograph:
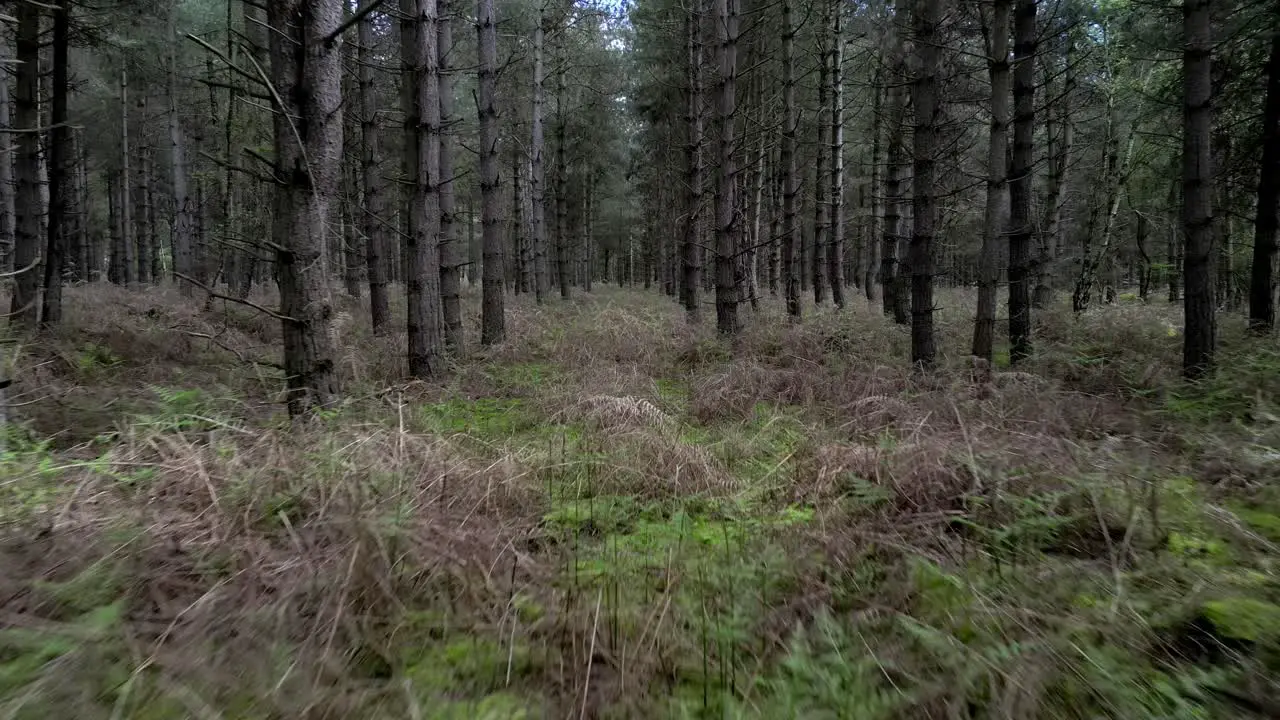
x,y
524,376
492,418
1244,618
938,593
468,667
1266,524
672,392
595,515
1188,546
498,706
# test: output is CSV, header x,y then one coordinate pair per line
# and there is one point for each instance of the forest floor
x,y
613,515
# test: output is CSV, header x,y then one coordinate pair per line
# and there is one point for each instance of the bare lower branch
x,y
248,303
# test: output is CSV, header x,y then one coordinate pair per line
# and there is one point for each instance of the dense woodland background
x,y
842,149
712,358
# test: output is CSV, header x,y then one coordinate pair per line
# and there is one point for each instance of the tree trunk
x,y
74,267
997,179
450,248
410,132
727,226
1262,311
157,265
790,180
115,266
537,178
375,204
127,224
1022,166
24,309
141,231
563,276
924,101
891,267
351,236
59,155
521,220
423,281
751,252
588,237
475,251
821,180
872,240
1140,240
835,247
183,223
1059,129
1197,178
306,71
91,258
691,252
775,224
493,318
7,208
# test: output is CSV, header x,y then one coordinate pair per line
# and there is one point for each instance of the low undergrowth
x,y
614,515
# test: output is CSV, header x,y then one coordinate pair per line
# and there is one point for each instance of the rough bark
x,y
374,193
1262,311
563,270
588,237
892,269
1140,230
821,184
7,208
115,266
409,129
157,260
835,235
183,227
1197,179
127,224
493,318
872,241
451,251
1059,131
1173,241
423,266
24,309
1021,168
790,179
307,73
59,169
997,179
537,176
727,225
924,101
690,252
90,255
521,222
141,227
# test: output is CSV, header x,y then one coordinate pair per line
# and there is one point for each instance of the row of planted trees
x,y
307,140
1066,147
725,150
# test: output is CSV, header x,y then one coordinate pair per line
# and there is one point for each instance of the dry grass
x,y
340,569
